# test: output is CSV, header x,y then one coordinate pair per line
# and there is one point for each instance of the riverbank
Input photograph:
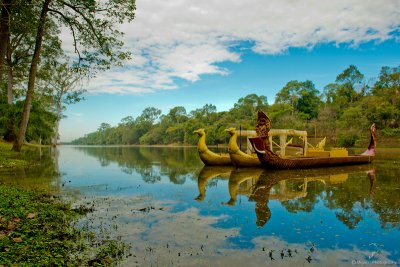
x,y
383,141
37,229
41,229
11,159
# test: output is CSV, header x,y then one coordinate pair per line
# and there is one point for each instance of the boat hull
x,y
245,160
213,159
270,160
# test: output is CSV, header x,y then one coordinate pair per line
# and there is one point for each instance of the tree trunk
x,y
32,77
10,76
4,32
56,130
57,124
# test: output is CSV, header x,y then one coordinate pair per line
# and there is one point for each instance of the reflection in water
x,y
208,173
44,174
147,194
150,162
289,187
371,176
261,195
240,181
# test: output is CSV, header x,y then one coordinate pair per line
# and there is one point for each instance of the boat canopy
x,y
282,133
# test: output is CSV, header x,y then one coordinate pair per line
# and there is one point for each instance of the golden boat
x,y
208,157
238,157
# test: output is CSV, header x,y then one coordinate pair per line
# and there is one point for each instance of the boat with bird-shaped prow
x,y
209,157
238,157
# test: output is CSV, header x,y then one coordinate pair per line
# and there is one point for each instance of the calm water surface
x,y
176,212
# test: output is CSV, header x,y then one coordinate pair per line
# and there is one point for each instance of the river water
x,y
173,211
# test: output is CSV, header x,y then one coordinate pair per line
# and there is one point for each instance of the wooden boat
x,y
208,157
238,157
271,160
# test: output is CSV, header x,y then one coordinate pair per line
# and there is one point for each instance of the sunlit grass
x,y
12,159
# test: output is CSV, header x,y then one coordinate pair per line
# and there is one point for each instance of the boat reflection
x,y
241,182
372,179
261,186
209,172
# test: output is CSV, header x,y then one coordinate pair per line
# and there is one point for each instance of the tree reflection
x,y
152,163
346,190
44,173
305,202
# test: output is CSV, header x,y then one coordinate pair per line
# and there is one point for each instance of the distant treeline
x,y
342,112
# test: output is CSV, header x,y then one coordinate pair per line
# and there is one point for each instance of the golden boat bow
x,y
238,157
208,157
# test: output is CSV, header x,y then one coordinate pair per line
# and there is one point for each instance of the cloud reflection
x,y
161,237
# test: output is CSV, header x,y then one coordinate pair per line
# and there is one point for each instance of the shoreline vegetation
x,y
38,228
341,111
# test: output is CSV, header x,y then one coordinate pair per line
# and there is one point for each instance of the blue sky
x,y
189,53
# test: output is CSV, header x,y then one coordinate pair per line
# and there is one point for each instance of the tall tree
x,y
351,80
302,96
388,84
95,38
32,77
4,32
62,81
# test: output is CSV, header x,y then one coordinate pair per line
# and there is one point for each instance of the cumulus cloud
x,y
184,39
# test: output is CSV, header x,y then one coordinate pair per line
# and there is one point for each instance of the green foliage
x,y
347,140
40,127
11,159
301,96
391,132
38,230
34,29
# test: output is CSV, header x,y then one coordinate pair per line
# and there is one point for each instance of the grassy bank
x,y
37,229
11,159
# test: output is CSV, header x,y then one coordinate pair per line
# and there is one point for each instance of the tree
x,y
4,32
177,114
350,80
149,115
388,85
309,101
289,94
144,123
62,80
32,77
103,132
96,41
206,114
301,96
20,48
247,106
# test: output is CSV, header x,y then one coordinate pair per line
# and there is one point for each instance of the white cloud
x,y
186,38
